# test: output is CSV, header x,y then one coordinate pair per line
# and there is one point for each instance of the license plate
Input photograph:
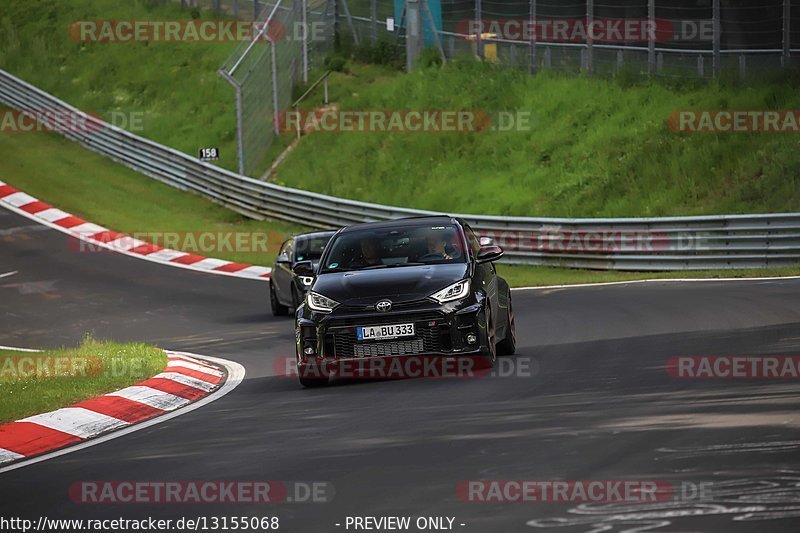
x,y
391,331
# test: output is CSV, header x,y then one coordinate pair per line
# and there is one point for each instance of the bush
x,y
381,52
335,62
429,57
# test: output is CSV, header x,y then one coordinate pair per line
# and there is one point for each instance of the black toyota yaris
x,y
416,286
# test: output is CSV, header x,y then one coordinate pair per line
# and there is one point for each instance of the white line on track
x,y
655,280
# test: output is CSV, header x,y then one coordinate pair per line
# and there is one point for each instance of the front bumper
x,y
327,340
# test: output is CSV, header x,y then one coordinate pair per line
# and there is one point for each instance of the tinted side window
x,y
286,248
473,241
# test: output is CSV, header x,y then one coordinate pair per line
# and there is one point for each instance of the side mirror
x,y
304,268
487,254
283,258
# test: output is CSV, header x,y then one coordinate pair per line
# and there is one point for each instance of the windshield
x,y
310,249
395,247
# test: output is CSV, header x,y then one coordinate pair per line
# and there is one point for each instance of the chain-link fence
x,y
699,38
290,37
696,38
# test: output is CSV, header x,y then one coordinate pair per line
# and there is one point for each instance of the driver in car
x,y
370,254
437,247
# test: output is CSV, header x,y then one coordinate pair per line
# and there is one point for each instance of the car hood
x,y
399,284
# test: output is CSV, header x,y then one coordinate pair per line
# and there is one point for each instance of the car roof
x,y
400,222
314,234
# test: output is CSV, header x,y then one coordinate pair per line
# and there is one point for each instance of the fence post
x,y
787,32
701,67
350,22
651,39
239,117
717,38
479,37
274,88
304,17
589,35
373,16
532,27
413,33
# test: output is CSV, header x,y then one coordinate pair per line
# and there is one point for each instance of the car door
x,y
282,274
485,277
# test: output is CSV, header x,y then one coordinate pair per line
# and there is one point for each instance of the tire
x,y
508,345
277,308
491,339
311,383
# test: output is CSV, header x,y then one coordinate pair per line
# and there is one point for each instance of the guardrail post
x,y
532,28
742,67
651,39
256,10
236,9
787,32
717,38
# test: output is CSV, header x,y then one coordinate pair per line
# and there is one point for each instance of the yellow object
x,y
489,48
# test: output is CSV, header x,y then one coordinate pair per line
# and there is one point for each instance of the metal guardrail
x,y
673,243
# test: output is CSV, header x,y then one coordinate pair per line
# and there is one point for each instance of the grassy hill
x,y
596,148
172,87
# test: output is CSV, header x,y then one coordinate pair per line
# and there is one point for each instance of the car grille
x,y
428,339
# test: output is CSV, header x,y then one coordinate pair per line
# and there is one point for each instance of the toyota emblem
x,y
383,306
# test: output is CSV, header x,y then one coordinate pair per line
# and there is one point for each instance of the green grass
x,y
538,276
174,87
597,147
29,387
97,189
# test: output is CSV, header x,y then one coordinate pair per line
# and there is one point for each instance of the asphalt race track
x,y
597,403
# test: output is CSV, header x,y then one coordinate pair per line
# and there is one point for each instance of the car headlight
x,y
306,280
456,291
320,303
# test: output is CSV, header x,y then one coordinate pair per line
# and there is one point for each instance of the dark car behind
x,y
287,289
